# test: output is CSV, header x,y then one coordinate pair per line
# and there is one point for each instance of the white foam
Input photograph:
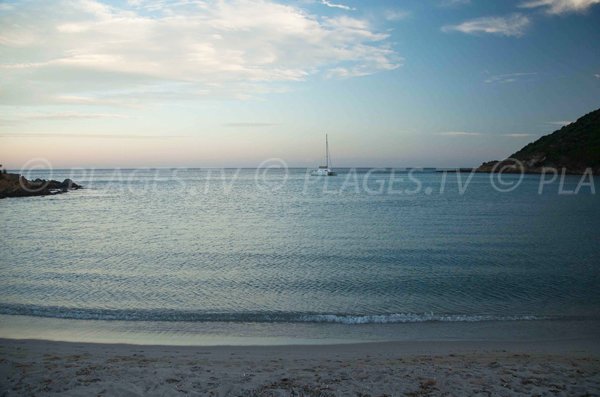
x,y
410,318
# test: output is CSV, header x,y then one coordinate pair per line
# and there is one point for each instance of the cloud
x,y
69,116
512,25
90,53
458,133
597,75
334,5
101,136
559,123
518,135
466,134
509,77
396,15
94,101
26,117
249,124
356,71
7,122
453,3
560,6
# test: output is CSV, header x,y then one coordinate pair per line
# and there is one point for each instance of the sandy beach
x,y
563,368
311,198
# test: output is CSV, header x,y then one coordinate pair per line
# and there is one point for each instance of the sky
x,y
186,83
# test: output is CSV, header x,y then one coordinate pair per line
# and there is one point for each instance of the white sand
x,y
567,367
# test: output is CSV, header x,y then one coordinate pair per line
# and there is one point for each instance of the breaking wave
x,y
250,317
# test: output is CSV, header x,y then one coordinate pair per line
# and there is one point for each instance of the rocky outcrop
x,y
15,185
573,149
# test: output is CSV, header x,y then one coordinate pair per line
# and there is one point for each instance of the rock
x,y
15,185
69,184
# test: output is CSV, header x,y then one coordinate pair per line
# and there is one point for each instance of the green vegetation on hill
x,y
574,146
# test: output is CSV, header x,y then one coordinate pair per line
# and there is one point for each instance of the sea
x,y
274,255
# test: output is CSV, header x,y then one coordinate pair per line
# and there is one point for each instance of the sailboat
x,y
324,170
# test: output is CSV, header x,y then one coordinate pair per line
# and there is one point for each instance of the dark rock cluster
x,y
15,185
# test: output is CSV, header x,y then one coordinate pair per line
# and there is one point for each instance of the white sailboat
x,y
324,170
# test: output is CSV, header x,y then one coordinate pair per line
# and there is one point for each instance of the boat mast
x,y
326,152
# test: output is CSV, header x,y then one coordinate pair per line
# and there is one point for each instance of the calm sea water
x,y
256,246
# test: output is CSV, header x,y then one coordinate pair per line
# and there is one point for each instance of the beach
x,y
299,198
196,289
418,368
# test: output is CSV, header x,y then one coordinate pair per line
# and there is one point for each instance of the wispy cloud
x,y
453,3
209,49
335,5
518,135
469,133
458,133
560,6
512,25
356,71
249,124
559,123
115,100
509,77
26,117
97,136
396,15
69,116
597,75
9,122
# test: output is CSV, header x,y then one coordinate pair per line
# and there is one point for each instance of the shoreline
x,y
281,333
380,368
574,345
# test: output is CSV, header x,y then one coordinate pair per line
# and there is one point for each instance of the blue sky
x,y
231,83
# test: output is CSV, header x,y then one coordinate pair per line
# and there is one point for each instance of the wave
x,y
248,317
397,318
